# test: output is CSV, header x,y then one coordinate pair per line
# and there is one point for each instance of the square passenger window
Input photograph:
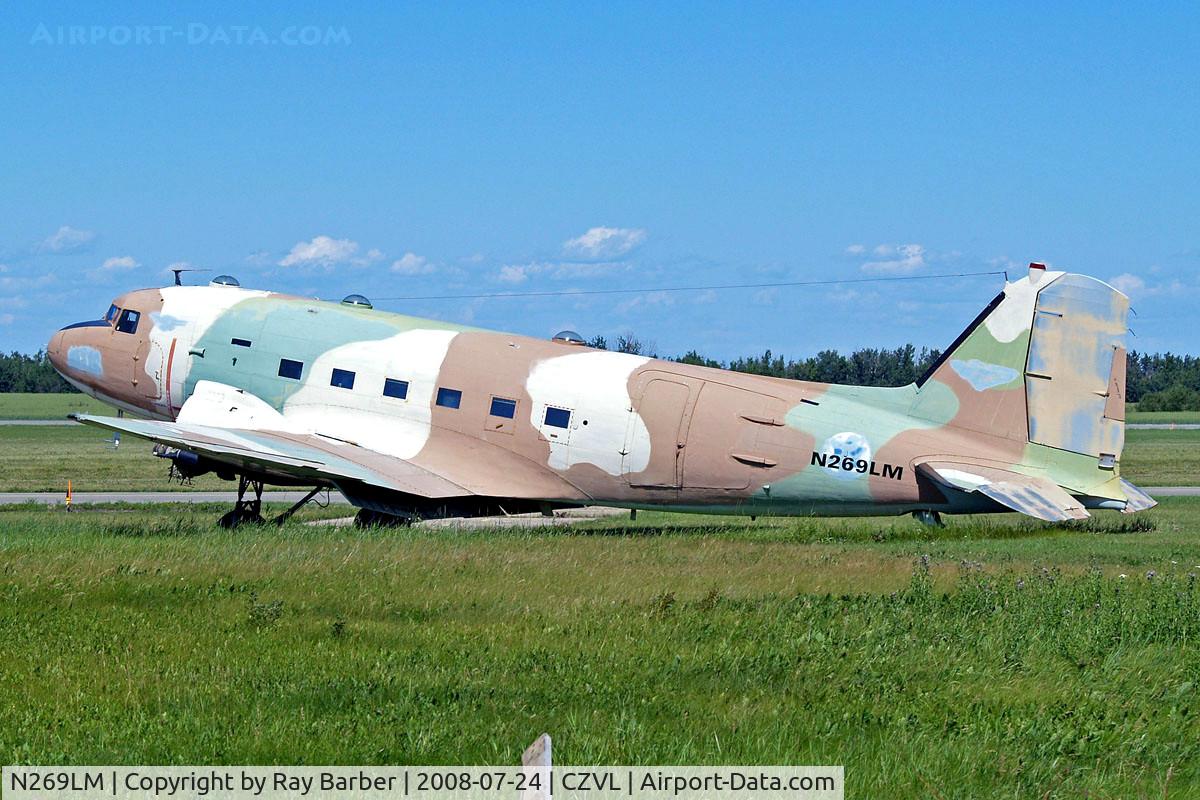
x,y
129,321
240,342
290,369
450,398
502,407
395,388
342,378
557,417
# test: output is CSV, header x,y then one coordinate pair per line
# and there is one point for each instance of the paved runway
x,y
1162,426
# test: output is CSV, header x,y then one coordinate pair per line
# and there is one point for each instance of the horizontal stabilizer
x,y
1037,497
1136,499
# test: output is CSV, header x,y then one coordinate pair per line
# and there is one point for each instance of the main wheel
x,y
239,517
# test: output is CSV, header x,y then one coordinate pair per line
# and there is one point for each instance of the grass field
x,y
26,405
1164,417
993,658
1162,457
37,459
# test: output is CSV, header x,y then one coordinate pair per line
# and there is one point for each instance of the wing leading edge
x,y
303,457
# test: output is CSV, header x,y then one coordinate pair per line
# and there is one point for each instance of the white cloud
x,y
515,273
602,242
558,270
856,250
646,300
901,259
412,264
119,264
766,297
67,240
322,251
1128,283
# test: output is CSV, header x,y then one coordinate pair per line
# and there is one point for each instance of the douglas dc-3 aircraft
x,y
413,419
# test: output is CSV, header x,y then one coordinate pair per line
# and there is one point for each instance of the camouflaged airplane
x,y
414,419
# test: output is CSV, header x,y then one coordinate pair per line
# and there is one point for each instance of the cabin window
x,y
240,342
129,321
449,398
503,407
558,417
342,378
290,369
395,388
111,316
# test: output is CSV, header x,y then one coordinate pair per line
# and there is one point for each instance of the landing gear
x,y
931,518
250,511
245,510
366,518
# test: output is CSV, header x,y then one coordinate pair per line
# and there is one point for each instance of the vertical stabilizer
x,y
1043,364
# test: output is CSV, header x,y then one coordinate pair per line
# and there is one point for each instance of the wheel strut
x,y
245,510
286,515
931,518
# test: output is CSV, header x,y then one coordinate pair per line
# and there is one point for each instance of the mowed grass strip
x,y
996,657
1162,417
1162,457
40,458
50,405
43,458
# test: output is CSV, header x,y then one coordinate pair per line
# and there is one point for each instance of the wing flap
x,y
1036,497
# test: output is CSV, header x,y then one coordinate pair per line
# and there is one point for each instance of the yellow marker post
x,y
68,495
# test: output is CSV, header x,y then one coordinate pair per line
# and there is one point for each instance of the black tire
x,y
237,518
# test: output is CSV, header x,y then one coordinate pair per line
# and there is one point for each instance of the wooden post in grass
x,y
535,760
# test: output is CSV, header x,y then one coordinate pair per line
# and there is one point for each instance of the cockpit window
x,y
129,321
111,316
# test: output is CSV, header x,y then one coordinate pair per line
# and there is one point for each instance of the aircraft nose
x,y
57,350
75,351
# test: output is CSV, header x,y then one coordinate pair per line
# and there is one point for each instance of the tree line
x,y
1155,381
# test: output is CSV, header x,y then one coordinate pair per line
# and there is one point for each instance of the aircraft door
x,y
132,331
722,426
663,409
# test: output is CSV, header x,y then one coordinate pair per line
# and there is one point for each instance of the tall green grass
x,y
993,658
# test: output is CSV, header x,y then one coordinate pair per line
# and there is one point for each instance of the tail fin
x,y
1044,363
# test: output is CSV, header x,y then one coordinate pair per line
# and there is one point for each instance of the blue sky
x,y
472,148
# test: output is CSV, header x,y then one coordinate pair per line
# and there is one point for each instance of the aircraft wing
x,y
1038,497
233,427
306,458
